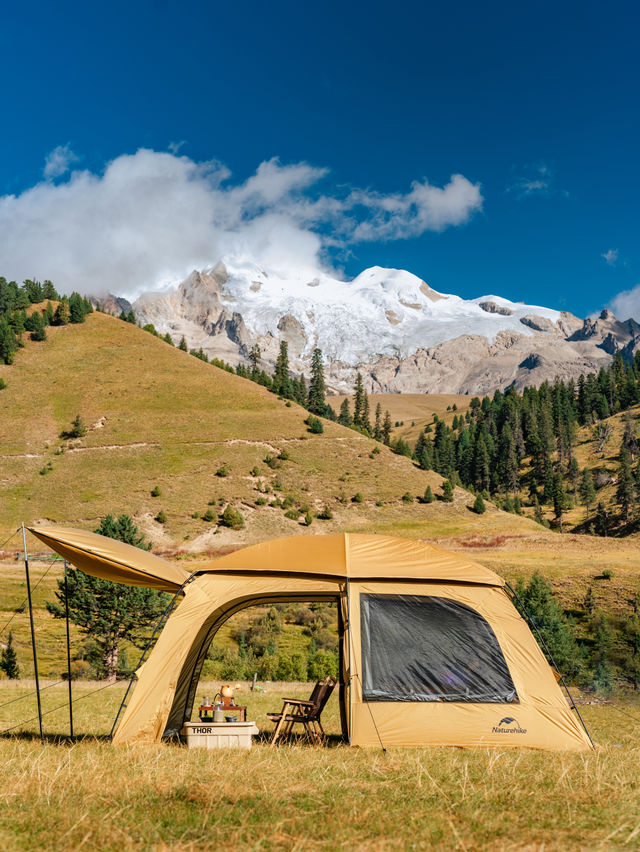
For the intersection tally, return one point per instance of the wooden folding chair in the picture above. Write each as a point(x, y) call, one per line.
point(306, 713)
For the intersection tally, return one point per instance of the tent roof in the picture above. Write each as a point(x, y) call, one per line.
point(112, 560)
point(342, 555)
point(357, 556)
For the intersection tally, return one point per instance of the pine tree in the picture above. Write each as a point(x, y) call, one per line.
point(110, 613)
point(447, 491)
point(428, 495)
point(38, 331)
point(49, 291)
point(8, 343)
point(366, 421)
point(626, 490)
point(537, 601)
point(602, 520)
point(574, 474)
point(537, 511)
point(377, 429)
point(183, 344)
point(9, 660)
point(62, 315)
point(587, 489)
point(560, 503)
point(359, 401)
point(478, 507)
point(317, 386)
point(386, 428)
point(254, 359)
point(281, 382)
point(344, 418)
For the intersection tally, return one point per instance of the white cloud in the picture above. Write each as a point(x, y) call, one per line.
point(151, 217)
point(626, 305)
point(58, 161)
point(610, 257)
point(537, 179)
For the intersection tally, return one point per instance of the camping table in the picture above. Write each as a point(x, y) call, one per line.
point(219, 734)
point(229, 709)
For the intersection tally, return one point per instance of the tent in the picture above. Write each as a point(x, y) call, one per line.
point(432, 650)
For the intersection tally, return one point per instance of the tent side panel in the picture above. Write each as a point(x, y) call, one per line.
point(540, 718)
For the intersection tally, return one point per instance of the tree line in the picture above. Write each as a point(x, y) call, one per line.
point(18, 317)
point(521, 447)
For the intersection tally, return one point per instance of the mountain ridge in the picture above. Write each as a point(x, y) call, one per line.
point(402, 335)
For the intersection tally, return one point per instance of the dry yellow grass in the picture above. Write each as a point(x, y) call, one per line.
point(92, 796)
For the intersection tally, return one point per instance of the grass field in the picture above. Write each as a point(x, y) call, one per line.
point(88, 795)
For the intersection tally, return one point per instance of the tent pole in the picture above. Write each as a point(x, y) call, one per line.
point(66, 607)
point(550, 655)
point(349, 689)
point(33, 632)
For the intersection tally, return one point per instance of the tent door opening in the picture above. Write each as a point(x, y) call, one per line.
point(233, 608)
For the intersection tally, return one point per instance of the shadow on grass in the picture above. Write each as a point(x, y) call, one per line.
point(54, 739)
point(263, 738)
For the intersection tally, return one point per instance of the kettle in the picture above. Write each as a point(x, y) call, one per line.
point(218, 713)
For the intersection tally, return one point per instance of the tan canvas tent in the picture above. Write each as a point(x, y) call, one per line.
point(433, 651)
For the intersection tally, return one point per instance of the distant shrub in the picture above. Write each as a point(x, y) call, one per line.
point(607, 574)
point(222, 471)
point(276, 504)
point(326, 514)
point(161, 517)
point(379, 503)
point(357, 497)
point(155, 491)
point(288, 502)
point(208, 516)
point(3, 384)
point(478, 507)
point(284, 455)
point(78, 428)
point(292, 514)
point(261, 501)
point(232, 518)
point(80, 670)
point(195, 514)
point(272, 461)
point(308, 519)
point(407, 497)
point(314, 424)
point(255, 471)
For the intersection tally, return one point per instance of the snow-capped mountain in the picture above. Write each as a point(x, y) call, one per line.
point(389, 323)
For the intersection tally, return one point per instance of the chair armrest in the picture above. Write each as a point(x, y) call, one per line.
point(299, 701)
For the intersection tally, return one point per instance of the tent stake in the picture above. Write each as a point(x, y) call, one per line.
point(66, 606)
point(33, 632)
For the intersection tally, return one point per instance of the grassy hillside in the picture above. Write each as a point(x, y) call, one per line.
point(158, 417)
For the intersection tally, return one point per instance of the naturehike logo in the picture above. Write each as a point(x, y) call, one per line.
point(508, 725)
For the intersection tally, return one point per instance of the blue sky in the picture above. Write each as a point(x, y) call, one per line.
point(536, 105)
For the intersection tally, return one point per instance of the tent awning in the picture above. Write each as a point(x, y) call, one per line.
point(112, 560)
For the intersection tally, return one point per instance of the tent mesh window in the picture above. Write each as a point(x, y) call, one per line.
point(419, 648)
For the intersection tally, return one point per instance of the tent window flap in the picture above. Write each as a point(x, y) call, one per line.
point(424, 648)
